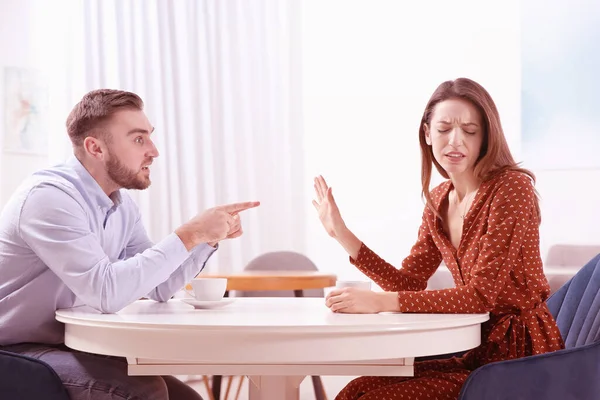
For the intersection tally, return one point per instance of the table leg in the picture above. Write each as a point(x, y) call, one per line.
point(216, 379)
point(318, 387)
point(317, 383)
point(216, 386)
point(274, 387)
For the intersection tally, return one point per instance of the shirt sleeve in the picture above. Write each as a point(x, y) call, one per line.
point(512, 214)
point(187, 271)
point(416, 269)
point(56, 227)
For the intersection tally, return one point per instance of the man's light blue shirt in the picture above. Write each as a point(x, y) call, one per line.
point(65, 243)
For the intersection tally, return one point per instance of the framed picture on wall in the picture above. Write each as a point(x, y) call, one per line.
point(25, 111)
point(560, 84)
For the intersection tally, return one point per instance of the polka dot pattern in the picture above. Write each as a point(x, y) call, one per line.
point(496, 268)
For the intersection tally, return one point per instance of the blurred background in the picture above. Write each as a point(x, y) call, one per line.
point(253, 98)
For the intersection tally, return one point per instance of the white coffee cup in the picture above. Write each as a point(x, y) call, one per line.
point(208, 289)
point(366, 285)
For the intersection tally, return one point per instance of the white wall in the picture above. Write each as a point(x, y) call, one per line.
point(18, 42)
point(369, 69)
point(570, 211)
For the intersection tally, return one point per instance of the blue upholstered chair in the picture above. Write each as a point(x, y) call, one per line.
point(25, 378)
point(572, 373)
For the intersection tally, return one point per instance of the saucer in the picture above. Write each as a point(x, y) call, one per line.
point(207, 304)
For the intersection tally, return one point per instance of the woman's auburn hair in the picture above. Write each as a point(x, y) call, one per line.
point(495, 156)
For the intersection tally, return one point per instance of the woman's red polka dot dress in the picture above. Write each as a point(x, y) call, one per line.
point(497, 269)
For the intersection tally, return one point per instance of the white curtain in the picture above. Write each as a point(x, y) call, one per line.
point(221, 84)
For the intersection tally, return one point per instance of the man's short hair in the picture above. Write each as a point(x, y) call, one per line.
point(95, 109)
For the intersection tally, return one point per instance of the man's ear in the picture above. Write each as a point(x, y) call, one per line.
point(427, 134)
point(94, 147)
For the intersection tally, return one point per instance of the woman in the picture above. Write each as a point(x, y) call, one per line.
point(483, 222)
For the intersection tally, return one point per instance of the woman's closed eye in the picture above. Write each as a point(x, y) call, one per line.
point(465, 131)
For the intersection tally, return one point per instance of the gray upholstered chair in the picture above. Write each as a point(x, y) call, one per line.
point(569, 255)
point(281, 261)
point(563, 262)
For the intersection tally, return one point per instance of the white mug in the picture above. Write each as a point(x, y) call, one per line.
point(366, 285)
point(208, 289)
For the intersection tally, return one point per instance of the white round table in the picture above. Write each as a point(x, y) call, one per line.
point(276, 342)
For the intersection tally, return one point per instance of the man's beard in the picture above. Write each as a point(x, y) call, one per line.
point(123, 176)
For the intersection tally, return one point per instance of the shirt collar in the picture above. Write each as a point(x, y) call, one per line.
point(443, 193)
point(91, 186)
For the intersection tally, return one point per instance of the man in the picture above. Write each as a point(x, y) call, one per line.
point(70, 236)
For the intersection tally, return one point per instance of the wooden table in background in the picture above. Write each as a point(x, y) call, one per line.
point(296, 281)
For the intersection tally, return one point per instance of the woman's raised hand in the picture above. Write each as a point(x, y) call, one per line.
point(329, 213)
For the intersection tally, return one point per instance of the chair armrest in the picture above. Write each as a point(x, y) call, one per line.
point(27, 378)
point(561, 375)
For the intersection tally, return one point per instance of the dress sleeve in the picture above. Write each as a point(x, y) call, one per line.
point(511, 217)
point(416, 269)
